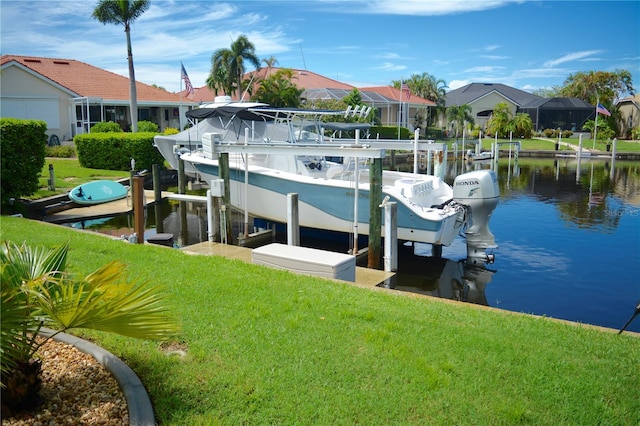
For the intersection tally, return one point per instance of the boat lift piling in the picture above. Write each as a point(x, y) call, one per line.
point(138, 208)
point(293, 221)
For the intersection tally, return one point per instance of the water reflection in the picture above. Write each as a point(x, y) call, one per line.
point(441, 277)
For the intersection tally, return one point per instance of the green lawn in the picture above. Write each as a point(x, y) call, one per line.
point(269, 347)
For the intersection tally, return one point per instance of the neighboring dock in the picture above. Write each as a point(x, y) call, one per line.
point(113, 208)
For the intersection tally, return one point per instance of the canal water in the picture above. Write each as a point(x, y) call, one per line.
point(568, 234)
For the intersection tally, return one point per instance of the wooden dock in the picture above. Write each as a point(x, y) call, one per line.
point(365, 277)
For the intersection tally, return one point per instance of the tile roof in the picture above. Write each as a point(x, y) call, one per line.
point(396, 95)
point(84, 80)
point(317, 86)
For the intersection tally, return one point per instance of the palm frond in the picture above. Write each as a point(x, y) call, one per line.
point(105, 301)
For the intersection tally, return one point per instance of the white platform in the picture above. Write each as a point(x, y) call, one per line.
point(306, 260)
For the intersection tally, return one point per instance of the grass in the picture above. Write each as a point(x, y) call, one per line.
point(68, 174)
point(269, 347)
point(549, 145)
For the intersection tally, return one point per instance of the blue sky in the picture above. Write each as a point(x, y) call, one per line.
point(524, 44)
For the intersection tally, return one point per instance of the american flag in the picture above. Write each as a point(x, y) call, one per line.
point(602, 110)
point(405, 90)
point(185, 77)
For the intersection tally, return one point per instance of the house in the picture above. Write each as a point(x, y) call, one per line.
point(71, 96)
point(559, 113)
point(629, 110)
point(391, 105)
point(546, 113)
point(483, 97)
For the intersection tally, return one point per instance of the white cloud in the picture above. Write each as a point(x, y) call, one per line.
point(574, 56)
point(455, 84)
point(429, 8)
point(484, 69)
point(388, 66)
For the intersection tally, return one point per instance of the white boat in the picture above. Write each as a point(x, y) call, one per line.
point(172, 146)
point(275, 153)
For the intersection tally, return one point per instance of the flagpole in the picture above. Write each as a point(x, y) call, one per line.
point(400, 108)
point(595, 127)
point(180, 108)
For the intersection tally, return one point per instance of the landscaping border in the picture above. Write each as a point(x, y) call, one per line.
point(138, 402)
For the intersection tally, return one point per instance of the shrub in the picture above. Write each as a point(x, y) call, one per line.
point(37, 291)
point(114, 151)
point(566, 134)
point(106, 127)
point(171, 131)
point(549, 133)
point(22, 144)
point(60, 151)
point(390, 132)
point(147, 126)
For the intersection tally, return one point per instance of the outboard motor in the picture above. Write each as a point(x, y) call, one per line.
point(478, 191)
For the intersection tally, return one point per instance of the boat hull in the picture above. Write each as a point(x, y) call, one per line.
point(328, 204)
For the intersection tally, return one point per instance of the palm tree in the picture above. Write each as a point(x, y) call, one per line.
point(270, 63)
point(37, 292)
point(230, 62)
point(500, 122)
point(522, 125)
point(459, 116)
point(279, 90)
point(124, 12)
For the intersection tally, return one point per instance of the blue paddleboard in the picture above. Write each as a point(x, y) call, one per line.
point(97, 192)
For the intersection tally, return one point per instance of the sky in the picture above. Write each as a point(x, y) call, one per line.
point(525, 44)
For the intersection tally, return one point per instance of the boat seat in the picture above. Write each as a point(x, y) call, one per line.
point(334, 171)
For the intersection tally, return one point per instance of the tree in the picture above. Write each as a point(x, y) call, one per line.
point(38, 292)
point(124, 12)
point(459, 115)
point(500, 122)
point(522, 125)
point(229, 64)
point(270, 63)
point(278, 89)
point(601, 87)
point(429, 87)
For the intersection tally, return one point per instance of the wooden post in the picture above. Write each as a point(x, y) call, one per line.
point(293, 221)
point(223, 169)
point(52, 179)
point(157, 192)
point(375, 213)
point(138, 208)
point(181, 177)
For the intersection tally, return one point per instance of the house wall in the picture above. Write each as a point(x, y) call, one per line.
point(26, 96)
point(629, 115)
point(488, 102)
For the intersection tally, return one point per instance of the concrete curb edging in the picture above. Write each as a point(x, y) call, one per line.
point(138, 402)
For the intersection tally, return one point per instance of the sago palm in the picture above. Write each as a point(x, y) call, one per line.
point(37, 291)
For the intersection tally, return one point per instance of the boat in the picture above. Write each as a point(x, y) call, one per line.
point(172, 146)
point(98, 192)
point(273, 152)
point(479, 156)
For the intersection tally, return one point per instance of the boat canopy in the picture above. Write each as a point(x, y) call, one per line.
point(256, 113)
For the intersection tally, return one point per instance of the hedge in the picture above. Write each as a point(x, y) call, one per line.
point(22, 143)
point(114, 151)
